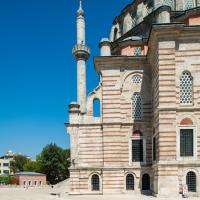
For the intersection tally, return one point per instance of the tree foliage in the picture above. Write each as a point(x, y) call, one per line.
point(18, 163)
point(32, 166)
point(54, 162)
point(5, 179)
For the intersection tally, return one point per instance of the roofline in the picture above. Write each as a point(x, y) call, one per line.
point(27, 174)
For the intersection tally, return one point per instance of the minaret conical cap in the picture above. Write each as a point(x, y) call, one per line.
point(80, 10)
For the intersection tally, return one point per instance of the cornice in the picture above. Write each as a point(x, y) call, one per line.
point(103, 62)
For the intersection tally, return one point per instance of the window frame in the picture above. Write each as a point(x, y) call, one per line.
point(126, 175)
point(6, 171)
point(187, 146)
point(95, 187)
point(180, 93)
point(193, 2)
point(182, 158)
point(196, 181)
point(90, 183)
point(133, 108)
point(96, 104)
point(136, 80)
point(6, 165)
point(30, 183)
point(137, 51)
point(137, 163)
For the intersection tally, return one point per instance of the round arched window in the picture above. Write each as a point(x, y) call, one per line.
point(95, 182)
point(130, 182)
point(191, 181)
point(137, 79)
point(146, 182)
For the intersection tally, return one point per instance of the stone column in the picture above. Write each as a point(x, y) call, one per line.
point(163, 15)
point(105, 47)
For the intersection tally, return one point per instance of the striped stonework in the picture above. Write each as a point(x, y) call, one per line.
point(144, 131)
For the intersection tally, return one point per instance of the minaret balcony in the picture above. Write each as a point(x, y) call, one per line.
point(81, 51)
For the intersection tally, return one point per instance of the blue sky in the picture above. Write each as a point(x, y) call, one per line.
point(37, 69)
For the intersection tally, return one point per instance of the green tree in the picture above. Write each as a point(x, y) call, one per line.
point(32, 166)
point(18, 163)
point(54, 162)
point(5, 179)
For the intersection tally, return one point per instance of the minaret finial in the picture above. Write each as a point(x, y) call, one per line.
point(80, 10)
point(80, 7)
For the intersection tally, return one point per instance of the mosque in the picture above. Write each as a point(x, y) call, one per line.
point(147, 136)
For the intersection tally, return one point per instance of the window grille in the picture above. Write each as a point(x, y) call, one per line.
point(137, 79)
point(191, 181)
point(137, 106)
point(186, 88)
point(129, 182)
point(154, 149)
point(188, 4)
point(186, 142)
point(146, 182)
point(95, 183)
point(137, 150)
point(137, 51)
point(168, 3)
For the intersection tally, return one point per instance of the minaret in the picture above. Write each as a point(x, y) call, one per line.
point(81, 53)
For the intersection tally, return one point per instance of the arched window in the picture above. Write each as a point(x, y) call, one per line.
point(95, 182)
point(188, 4)
point(137, 79)
point(191, 181)
point(137, 110)
point(115, 34)
point(168, 3)
point(146, 182)
point(129, 182)
point(186, 88)
point(96, 108)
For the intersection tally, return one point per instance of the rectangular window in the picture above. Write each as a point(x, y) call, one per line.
point(5, 164)
point(154, 148)
point(189, 4)
point(5, 171)
point(137, 150)
point(137, 51)
point(186, 142)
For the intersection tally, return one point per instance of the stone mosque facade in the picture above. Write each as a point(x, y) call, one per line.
point(147, 136)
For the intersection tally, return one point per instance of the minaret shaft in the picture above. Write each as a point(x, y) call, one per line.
point(81, 53)
point(80, 30)
point(81, 84)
